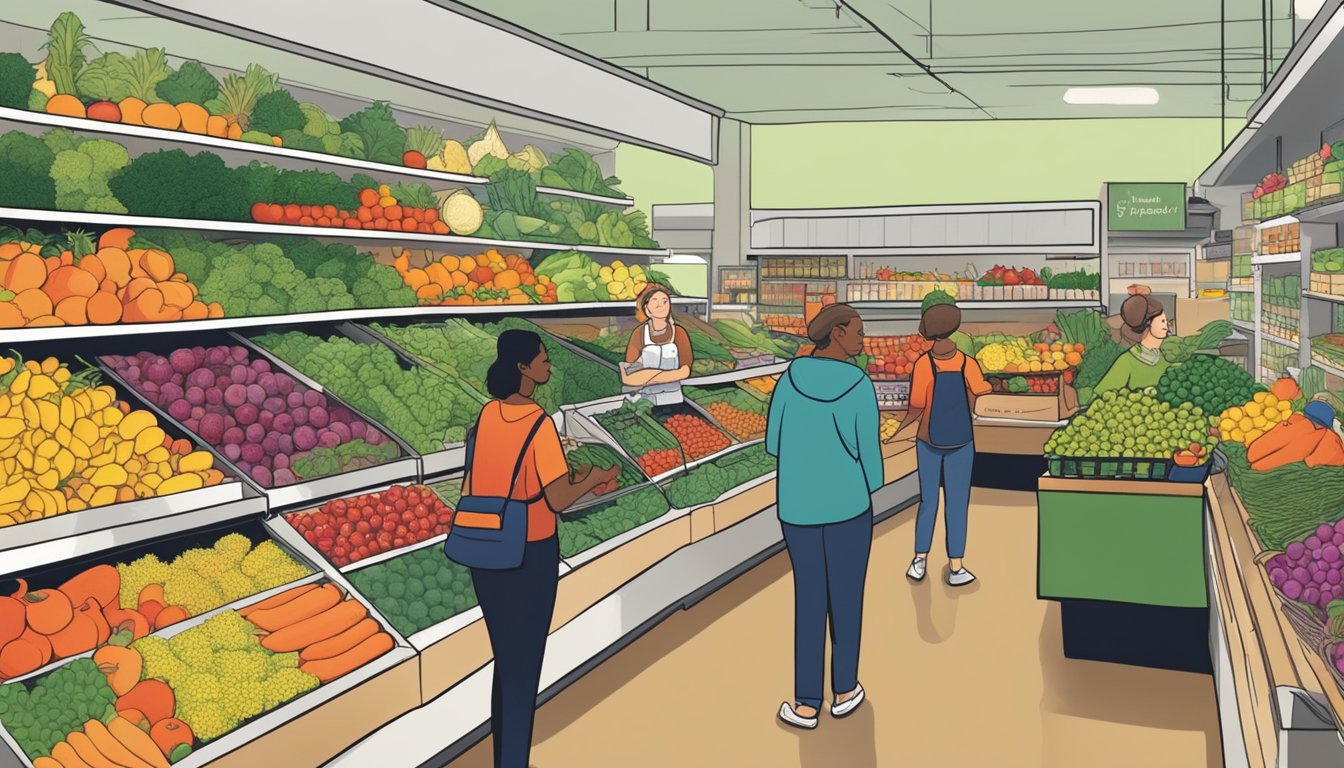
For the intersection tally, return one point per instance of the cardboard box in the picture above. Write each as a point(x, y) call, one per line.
point(1028, 407)
point(1327, 282)
point(1193, 314)
point(1213, 271)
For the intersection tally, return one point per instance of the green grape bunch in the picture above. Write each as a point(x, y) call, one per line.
point(1133, 425)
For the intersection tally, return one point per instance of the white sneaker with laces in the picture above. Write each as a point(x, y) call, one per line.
point(960, 578)
point(918, 567)
point(848, 705)
point(789, 716)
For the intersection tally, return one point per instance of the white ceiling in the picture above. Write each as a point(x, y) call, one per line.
point(782, 61)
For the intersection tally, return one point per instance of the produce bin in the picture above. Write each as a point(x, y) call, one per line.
point(576, 552)
point(582, 422)
point(445, 456)
point(287, 497)
point(732, 399)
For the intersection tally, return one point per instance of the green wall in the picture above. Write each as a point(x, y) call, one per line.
point(653, 177)
point(821, 165)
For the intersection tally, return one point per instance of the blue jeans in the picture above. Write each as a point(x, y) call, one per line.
point(951, 469)
point(830, 565)
point(517, 605)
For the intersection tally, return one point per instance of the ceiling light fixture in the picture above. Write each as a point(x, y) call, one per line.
point(1116, 96)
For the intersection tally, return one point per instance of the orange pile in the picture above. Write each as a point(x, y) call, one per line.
point(745, 425)
point(116, 284)
point(894, 356)
point(486, 278)
point(658, 461)
point(698, 437)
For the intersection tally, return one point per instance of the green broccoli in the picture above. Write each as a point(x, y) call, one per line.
point(16, 80)
point(25, 164)
point(319, 294)
point(277, 112)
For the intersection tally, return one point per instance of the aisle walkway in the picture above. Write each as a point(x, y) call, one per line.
point(957, 678)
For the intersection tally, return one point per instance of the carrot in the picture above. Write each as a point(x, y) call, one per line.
point(46, 762)
point(109, 746)
point(89, 753)
point(369, 649)
point(101, 582)
point(315, 629)
point(275, 601)
point(163, 116)
point(1297, 450)
point(67, 756)
point(335, 646)
point(137, 741)
point(194, 118)
point(1296, 426)
point(298, 609)
point(1329, 452)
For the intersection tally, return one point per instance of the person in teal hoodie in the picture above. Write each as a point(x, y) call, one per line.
point(823, 427)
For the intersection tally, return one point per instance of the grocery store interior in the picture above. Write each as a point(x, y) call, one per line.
point(264, 276)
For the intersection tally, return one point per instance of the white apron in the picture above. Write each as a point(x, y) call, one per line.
point(660, 357)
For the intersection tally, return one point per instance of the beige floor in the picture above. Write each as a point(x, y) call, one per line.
point(972, 677)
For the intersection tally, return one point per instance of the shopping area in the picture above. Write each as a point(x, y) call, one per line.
point(334, 216)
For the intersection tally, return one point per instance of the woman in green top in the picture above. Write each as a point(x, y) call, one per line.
point(1142, 365)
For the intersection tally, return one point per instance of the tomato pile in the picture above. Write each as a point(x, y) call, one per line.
point(698, 437)
point(743, 424)
point(374, 212)
point(893, 357)
point(349, 530)
point(659, 460)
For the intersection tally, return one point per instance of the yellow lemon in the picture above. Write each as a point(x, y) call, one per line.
point(1270, 400)
point(1254, 409)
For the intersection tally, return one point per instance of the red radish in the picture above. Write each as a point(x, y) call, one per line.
point(105, 111)
point(413, 159)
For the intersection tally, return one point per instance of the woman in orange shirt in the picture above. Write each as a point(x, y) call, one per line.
point(942, 399)
point(517, 604)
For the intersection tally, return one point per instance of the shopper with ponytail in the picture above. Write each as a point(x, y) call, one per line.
point(517, 603)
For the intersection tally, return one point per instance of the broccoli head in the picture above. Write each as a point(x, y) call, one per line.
point(25, 163)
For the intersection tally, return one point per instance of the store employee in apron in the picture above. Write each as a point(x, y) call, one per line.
point(658, 357)
point(1142, 365)
point(942, 400)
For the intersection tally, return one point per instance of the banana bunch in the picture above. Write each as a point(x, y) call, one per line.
point(68, 445)
point(890, 425)
point(623, 283)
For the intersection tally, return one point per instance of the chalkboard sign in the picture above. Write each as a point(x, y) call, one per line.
point(1149, 207)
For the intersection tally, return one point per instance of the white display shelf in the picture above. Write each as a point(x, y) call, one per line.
point(1330, 369)
point(1330, 297)
point(1277, 258)
point(1280, 221)
point(21, 335)
point(232, 145)
point(737, 374)
point(335, 233)
point(1241, 289)
point(1278, 340)
point(1243, 325)
point(980, 305)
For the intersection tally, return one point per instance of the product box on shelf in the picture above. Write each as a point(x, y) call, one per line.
point(1193, 314)
point(1328, 282)
point(1028, 407)
point(1213, 271)
point(1247, 208)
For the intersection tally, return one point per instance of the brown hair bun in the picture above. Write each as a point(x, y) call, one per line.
point(1138, 312)
point(827, 320)
point(940, 321)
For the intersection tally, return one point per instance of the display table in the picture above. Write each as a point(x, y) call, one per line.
point(1126, 561)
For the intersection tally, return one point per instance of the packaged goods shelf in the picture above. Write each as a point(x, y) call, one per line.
point(1276, 258)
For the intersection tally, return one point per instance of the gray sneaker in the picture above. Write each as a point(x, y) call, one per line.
point(960, 578)
point(917, 569)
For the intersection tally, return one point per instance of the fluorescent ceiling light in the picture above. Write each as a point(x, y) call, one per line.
point(1307, 9)
point(1125, 96)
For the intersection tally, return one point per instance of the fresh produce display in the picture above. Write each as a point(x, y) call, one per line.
point(765, 385)
point(68, 444)
point(584, 529)
point(755, 339)
point(893, 357)
point(698, 437)
point(486, 278)
point(1019, 385)
point(1134, 425)
point(378, 209)
point(202, 579)
point(652, 446)
point(1328, 260)
point(581, 456)
point(1207, 381)
point(214, 676)
point(709, 481)
point(742, 414)
point(1019, 355)
point(331, 632)
point(1000, 275)
point(1178, 349)
point(891, 424)
point(350, 530)
point(1087, 330)
point(427, 410)
point(416, 590)
point(81, 168)
point(577, 278)
point(1079, 280)
point(47, 286)
point(1296, 439)
point(1247, 422)
point(1310, 571)
point(1287, 503)
point(269, 424)
point(284, 275)
point(39, 713)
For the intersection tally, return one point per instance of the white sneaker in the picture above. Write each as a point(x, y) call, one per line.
point(849, 705)
point(960, 578)
point(918, 567)
point(788, 715)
